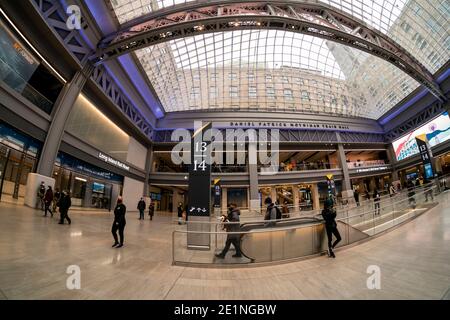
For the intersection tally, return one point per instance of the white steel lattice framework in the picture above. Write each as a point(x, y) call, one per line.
point(195, 44)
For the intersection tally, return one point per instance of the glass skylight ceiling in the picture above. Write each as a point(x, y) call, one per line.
point(269, 70)
point(284, 71)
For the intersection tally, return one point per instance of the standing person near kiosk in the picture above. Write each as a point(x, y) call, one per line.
point(329, 215)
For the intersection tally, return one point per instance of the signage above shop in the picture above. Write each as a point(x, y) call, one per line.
point(112, 161)
point(293, 124)
point(360, 170)
point(284, 125)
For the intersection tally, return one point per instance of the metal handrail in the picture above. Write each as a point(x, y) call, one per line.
point(285, 228)
point(381, 202)
point(273, 229)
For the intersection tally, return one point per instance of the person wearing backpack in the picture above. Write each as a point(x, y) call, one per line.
point(329, 215)
point(272, 213)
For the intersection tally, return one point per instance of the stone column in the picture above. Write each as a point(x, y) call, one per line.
point(61, 111)
point(273, 193)
point(347, 192)
point(224, 205)
point(148, 167)
point(253, 176)
point(315, 196)
point(296, 198)
point(393, 162)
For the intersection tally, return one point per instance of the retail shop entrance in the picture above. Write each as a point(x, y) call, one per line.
point(18, 157)
point(90, 186)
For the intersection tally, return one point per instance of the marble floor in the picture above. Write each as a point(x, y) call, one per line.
point(35, 252)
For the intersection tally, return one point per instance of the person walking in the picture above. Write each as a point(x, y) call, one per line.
point(392, 191)
point(56, 197)
point(119, 223)
point(151, 210)
point(272, 212)
point(235, 238)
point(329, 215)
point(64, 204)
point(285, 210)
point(428, 190)
point(376, 202)
point(180, 213)
point(356, 195)
point(141, 207)
point(41, 195)
point(48, 199)
point(411, 192)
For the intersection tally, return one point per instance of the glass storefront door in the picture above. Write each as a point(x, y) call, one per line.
point(15, 167)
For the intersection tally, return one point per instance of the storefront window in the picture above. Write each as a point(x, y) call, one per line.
point(18, 157)
point(88, 185)
point(238, 196)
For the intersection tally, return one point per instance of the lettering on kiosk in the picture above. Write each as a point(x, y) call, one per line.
point(112, 161)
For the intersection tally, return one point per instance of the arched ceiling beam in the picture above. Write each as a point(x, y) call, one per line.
point(311, 18)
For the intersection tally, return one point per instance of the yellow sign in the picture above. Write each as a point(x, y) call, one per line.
point(329, 176)
point(422, 137)
point(216, 181)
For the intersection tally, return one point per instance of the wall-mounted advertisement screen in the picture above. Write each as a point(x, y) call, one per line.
point(98, 187)
point(437, 131)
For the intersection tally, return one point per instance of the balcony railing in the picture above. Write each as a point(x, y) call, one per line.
point(302, 166)
point(215, 168)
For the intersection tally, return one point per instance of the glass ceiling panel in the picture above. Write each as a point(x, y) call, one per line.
point(277, 70)
point(271, 70)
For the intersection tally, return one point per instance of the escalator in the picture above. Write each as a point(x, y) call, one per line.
point(290, 239)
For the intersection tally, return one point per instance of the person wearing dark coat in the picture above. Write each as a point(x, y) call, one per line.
point(56, 197)
point(48, 199)
point(119, 223)
point(180, 213)
point(141, 207)
point(376, 202)
point(64, 204)
point(233, 238)
point(329, 215)
point(151, 210)
point(41, 194)
point(356, 195)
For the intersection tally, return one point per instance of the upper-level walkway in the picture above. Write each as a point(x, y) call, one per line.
point(414, 260)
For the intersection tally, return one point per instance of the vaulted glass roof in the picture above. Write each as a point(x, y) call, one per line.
point(286, 71)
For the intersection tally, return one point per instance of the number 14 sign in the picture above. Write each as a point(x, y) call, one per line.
point(200, 174)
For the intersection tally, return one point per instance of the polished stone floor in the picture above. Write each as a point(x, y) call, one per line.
point(35, 252)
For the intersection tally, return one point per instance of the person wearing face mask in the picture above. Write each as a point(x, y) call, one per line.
point(119, 223)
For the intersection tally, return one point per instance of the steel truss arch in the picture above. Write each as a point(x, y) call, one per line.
point(311, 18)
